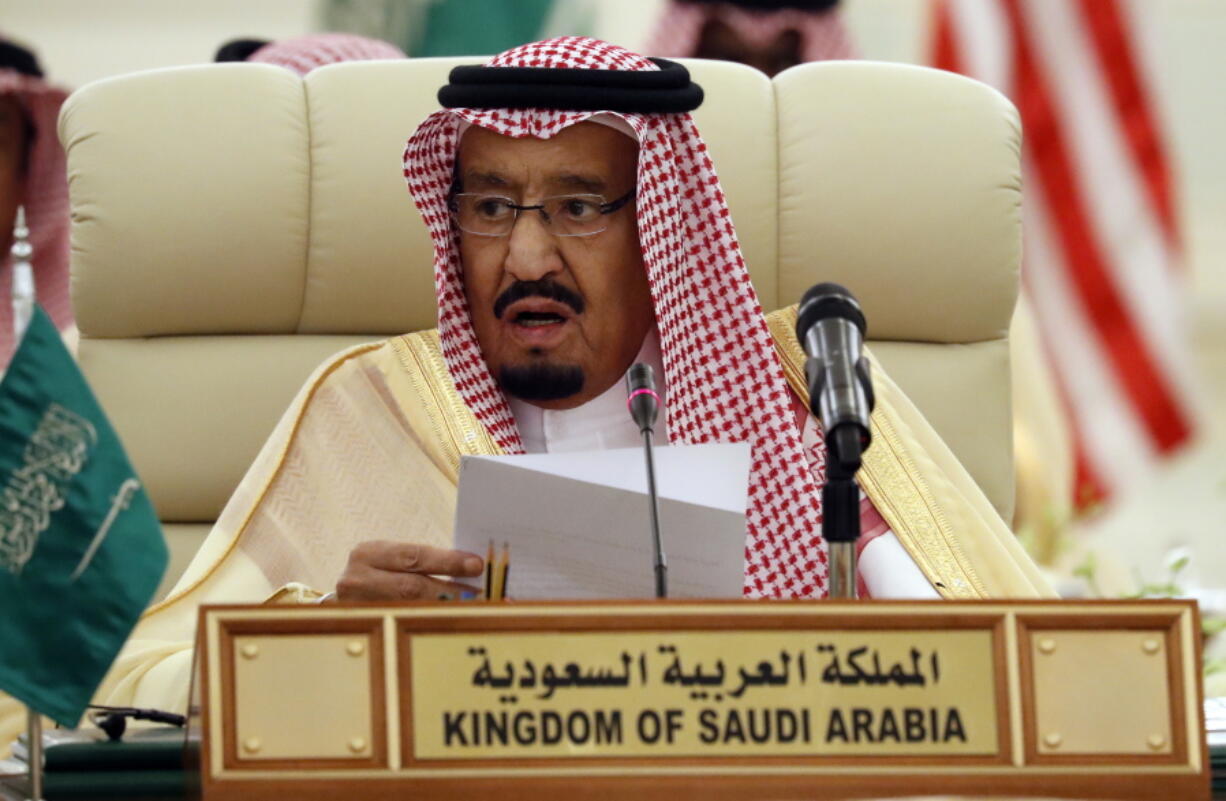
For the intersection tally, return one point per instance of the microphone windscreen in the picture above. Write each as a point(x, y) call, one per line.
point(824, 301)
point(640, 376)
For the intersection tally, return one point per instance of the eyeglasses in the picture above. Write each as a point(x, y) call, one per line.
point(565, 215)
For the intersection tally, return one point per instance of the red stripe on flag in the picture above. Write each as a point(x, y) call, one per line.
point(1112, 48)
point(1088, 487)
point(1130, 356)
point(945, 54)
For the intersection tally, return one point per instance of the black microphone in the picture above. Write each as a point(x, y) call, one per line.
point(641, 396)
point(644, 405)
point(831, 328)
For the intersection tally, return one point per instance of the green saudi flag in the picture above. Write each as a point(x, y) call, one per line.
point(81, 550)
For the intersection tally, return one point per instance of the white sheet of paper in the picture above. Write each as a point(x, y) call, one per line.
point(578, 524)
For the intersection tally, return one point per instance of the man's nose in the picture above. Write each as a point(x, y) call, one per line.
point(532, 252)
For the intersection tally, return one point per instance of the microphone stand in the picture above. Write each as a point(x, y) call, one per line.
point(23, 295)
point(831, 327)
point(34, 753)
point(841, 508)
point(644, 405)
point(657, 545)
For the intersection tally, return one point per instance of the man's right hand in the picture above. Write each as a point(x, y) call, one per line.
point(381, 570)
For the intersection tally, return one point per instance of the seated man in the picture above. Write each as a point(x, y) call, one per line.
point(578, 227)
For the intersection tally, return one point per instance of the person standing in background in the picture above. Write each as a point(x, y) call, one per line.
point(304, 53)
point(769, 35)
point(33, 176)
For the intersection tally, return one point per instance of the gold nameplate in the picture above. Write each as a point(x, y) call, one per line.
point(489, 696)
point(818, 700)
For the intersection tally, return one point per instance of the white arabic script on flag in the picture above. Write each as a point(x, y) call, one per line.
point(55, 453)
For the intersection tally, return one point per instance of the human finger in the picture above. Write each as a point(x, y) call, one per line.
point(384, 585)
point(408, 557)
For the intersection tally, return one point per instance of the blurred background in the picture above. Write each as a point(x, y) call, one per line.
point(1146, 520)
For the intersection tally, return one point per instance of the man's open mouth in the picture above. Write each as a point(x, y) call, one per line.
point(535, 312)
point(538, 322)
point(533, 319)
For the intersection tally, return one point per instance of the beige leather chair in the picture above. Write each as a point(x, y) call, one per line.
point(235, 224)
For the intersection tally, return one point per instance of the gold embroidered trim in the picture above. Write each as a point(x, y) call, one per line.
point(892, 482)
point(416, 367)
point(901, 486)
point(339, 360)
point(422, 357)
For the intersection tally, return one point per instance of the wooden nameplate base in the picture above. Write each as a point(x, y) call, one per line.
point(722, 700)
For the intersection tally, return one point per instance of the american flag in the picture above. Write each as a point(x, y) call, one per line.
point(1101, 244)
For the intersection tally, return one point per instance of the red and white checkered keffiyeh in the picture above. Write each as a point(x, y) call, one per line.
point(822, 33)
point(45, 198)
point(724, 381)
point(304, 53)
